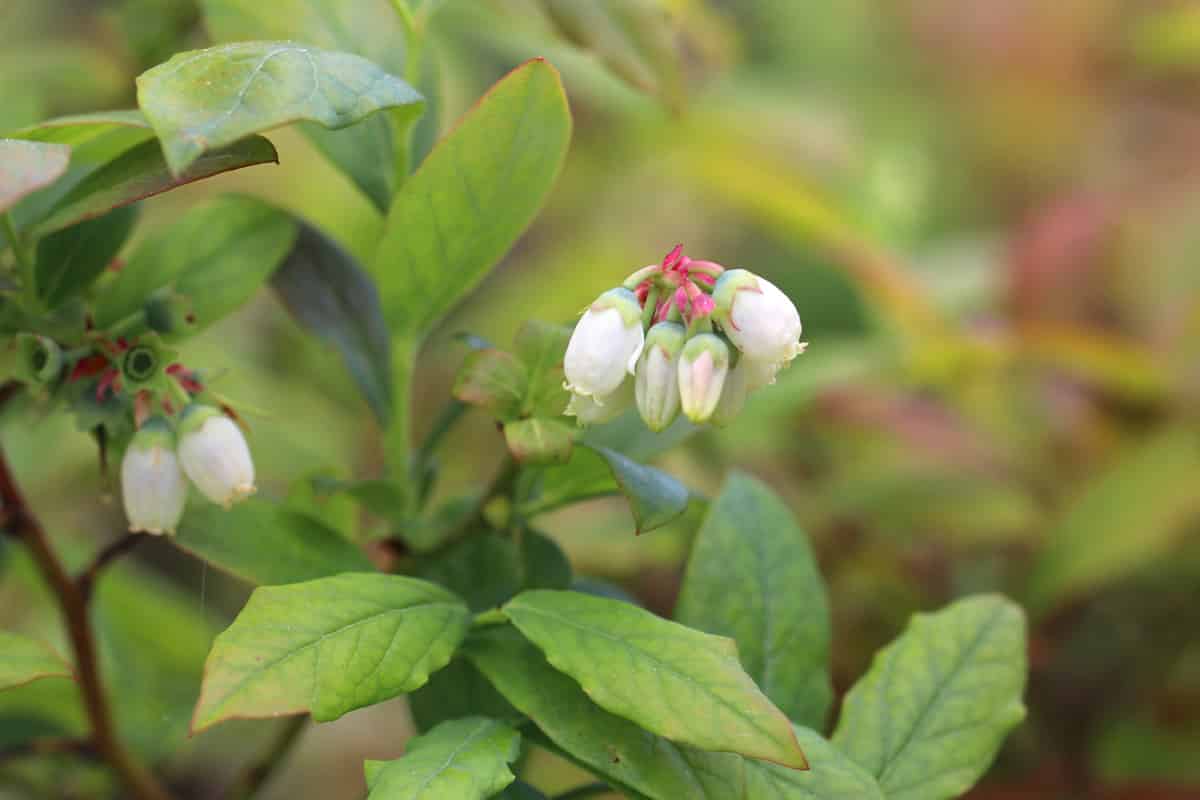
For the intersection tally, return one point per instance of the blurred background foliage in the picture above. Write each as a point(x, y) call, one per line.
point(986, 214)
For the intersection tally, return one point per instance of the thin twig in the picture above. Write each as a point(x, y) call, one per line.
point(87, 579)
point(256, 775)
point(49, 746)
point(20, 522)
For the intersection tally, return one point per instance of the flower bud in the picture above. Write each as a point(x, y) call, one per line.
point(605, 345)
point(596, 410)
point(215, 456)
point(760, 320)
point(657, 382)
point(152, 485)
point(703, 367)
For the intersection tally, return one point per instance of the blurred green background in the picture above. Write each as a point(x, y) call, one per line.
point(986, 213)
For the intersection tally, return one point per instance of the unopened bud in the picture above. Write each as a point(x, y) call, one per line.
point(657, 382)
point(757, 317)
point(605, 344)
point(703, 367)
point(214, 454)
point(152, 484)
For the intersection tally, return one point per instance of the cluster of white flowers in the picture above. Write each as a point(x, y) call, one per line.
point(211, 452)
point(695, 337)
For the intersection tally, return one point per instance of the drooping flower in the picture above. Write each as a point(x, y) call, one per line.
point(733, 395)
point(214, 454)
point(657, 380)
point(757, 317)
point(605, 344)
point(591, 410)
point(703, 367)
point(152, 484)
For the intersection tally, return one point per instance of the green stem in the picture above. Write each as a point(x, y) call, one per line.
point(258, 773)
point(399, 433)
point(650, 307)
point(414, 39)
point(642, 274)
point(450, 414)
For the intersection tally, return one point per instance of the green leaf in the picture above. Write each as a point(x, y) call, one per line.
point(140, 172)
point(330, 294)
point(831, 777)
point(1127, 516)
point(459, 690)
point(472, 197)
point(26, 167)
point(655, 498)
point(233, 244)
point(541, 347)
point(615, 748)
point(205, 99)
point(539, 440)
point(24, 660)
point(484, 569)
point(153, 637)
point(95, 140)
point(679, 683)
point(70, 260)
point(266, 544)
point(752, 577)
point(329, 646)
point(546, 565)
point(930, 715)
point(493, 380)
point(366, 152)
point(464, 759)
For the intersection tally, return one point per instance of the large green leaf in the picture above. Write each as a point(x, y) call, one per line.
point(140, 172)
point(463, 759)
point(205, 99)
point(929, 716)
point(26, 167)
point(95, 140)
point(367, 152)
point(832, 776)
point(24, 660)
point(674, 681)
point(615, 748)
point(329, 646)
point(266, 544)
point(328, 293)
point(752, 577)
point(472, 197)
point(233, 244)
point(71, 259)
point(1126, 517)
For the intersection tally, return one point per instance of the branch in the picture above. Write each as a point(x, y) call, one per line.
point(73, 604)
point(259, 772)
point(87, 579)
point(49, 746)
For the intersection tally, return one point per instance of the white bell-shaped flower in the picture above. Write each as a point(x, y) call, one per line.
point(733, 395)
point(214, 454)
point(605, 344)
point(703, 367)
point(757, 317)
point(657, 380)
point(153, 488)
point(590, 410)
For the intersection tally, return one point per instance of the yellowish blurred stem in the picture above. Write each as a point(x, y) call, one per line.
point(399, 434)
point(24, 260)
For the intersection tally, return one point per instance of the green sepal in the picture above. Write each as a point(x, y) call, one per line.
point(155, 432)
point(624, 301)
point(193, 416)
point(41, 358)
point(728, 285)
